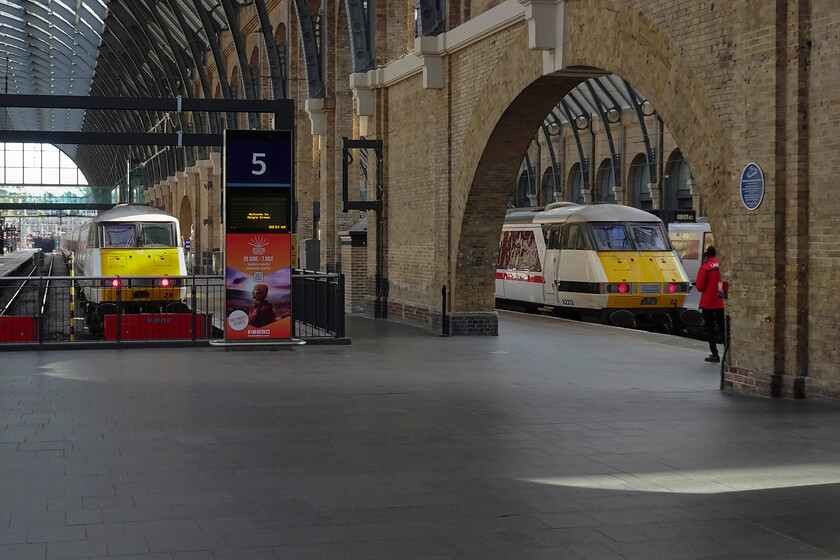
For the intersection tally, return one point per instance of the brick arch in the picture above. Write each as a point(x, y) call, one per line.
point(517, 97)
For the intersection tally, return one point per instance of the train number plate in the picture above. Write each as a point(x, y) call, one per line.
point(650, 288)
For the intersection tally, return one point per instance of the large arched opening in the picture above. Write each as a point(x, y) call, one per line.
point(513, 105)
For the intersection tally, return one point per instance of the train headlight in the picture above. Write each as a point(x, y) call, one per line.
point(164, 282)
point(115, 282)
point(675, 288)
point(622, 288)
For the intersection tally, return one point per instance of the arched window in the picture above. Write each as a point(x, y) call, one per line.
point(678, 184)
point(520, 195)
point(640, 180)
point(606, 183)
point(576, 184)
point(548, 187)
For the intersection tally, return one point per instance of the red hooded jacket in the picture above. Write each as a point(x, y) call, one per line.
point(709, 283)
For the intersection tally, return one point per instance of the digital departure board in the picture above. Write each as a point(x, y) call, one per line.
point(258, 212)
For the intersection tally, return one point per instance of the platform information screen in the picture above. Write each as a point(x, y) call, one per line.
point(258, 186)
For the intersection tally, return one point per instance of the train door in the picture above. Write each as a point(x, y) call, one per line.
point(552, 256)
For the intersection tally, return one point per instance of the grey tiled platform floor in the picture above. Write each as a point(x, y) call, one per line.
point(556, 440)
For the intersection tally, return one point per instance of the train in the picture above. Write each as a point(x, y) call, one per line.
point(690, 240)
point(136, 248)
point(610, 263)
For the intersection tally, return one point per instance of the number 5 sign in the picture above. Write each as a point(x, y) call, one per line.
point(258, 158)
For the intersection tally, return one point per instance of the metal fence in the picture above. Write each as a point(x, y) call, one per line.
point(67, 309)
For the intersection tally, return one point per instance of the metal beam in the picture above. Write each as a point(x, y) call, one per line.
point(53, 206)
point(147, 104)
point(111, 138)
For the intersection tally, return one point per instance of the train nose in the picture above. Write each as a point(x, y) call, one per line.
point(622, 318)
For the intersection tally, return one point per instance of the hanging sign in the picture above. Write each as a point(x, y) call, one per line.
point(752, 186)
point(258, 218)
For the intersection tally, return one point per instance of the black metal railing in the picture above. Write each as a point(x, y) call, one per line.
point(67, 309)
point(317, 304)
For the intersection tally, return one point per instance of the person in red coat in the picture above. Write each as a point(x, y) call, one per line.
point(711, 302)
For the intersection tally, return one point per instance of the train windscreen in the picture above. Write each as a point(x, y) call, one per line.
point(650, 237)
point(611, 237)
point(125, 235)
point(157, 235)
point(118, 235)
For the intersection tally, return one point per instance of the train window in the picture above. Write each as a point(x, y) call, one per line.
point(649, 237)
point(575, 238)
point(157, 235)
point(504, 251)
point(611, 237)
point(118, 235)
point(687, 249)
point(518, 251)
point(554, 237)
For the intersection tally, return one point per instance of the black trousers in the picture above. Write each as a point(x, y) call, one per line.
point(710, 317)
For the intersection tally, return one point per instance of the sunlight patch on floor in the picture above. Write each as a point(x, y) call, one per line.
point(704, 481)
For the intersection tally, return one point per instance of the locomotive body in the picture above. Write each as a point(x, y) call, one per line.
point(607, 262)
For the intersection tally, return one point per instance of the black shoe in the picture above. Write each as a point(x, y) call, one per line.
point(713, 358)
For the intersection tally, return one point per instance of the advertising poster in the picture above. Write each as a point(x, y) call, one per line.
point(258, 281)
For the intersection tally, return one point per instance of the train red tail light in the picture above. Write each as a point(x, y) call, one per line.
point(675, 288)
point(115, 282)
point(164, 282)
point(622, 288)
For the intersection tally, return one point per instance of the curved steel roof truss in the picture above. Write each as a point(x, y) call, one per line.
point(133, 48)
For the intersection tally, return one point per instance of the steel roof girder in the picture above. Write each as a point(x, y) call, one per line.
point(432, 18)
point(358, 20)
point(232, 14)
point(278, 82)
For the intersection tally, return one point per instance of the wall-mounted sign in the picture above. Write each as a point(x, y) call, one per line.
point(752, 186)
point(258, 224)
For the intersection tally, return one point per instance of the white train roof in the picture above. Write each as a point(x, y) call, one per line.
point(134, 213)
point(568, 211)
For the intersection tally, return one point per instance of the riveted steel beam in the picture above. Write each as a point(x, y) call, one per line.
point(359, 23)
point(311, 51)
point(278, 80)
point(604, 112)
point(232, 13)
point(212, 31)
point(432, 18)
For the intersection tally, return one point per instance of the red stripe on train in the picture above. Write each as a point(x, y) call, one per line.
point(520, 277)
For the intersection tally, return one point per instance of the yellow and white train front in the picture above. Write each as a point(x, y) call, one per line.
point(139, 258)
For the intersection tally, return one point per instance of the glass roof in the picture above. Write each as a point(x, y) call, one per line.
point(51, 48)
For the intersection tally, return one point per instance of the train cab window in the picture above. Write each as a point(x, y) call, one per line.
point(117, 235)
point(575, 238)
point(157, 235)
point(611, 237)
point(650, 237)
point(553, 240)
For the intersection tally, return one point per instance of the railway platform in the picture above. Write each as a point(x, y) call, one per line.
point(554, 440)
point(11, 263)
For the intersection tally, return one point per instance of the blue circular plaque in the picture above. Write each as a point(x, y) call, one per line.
point(752, 186)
